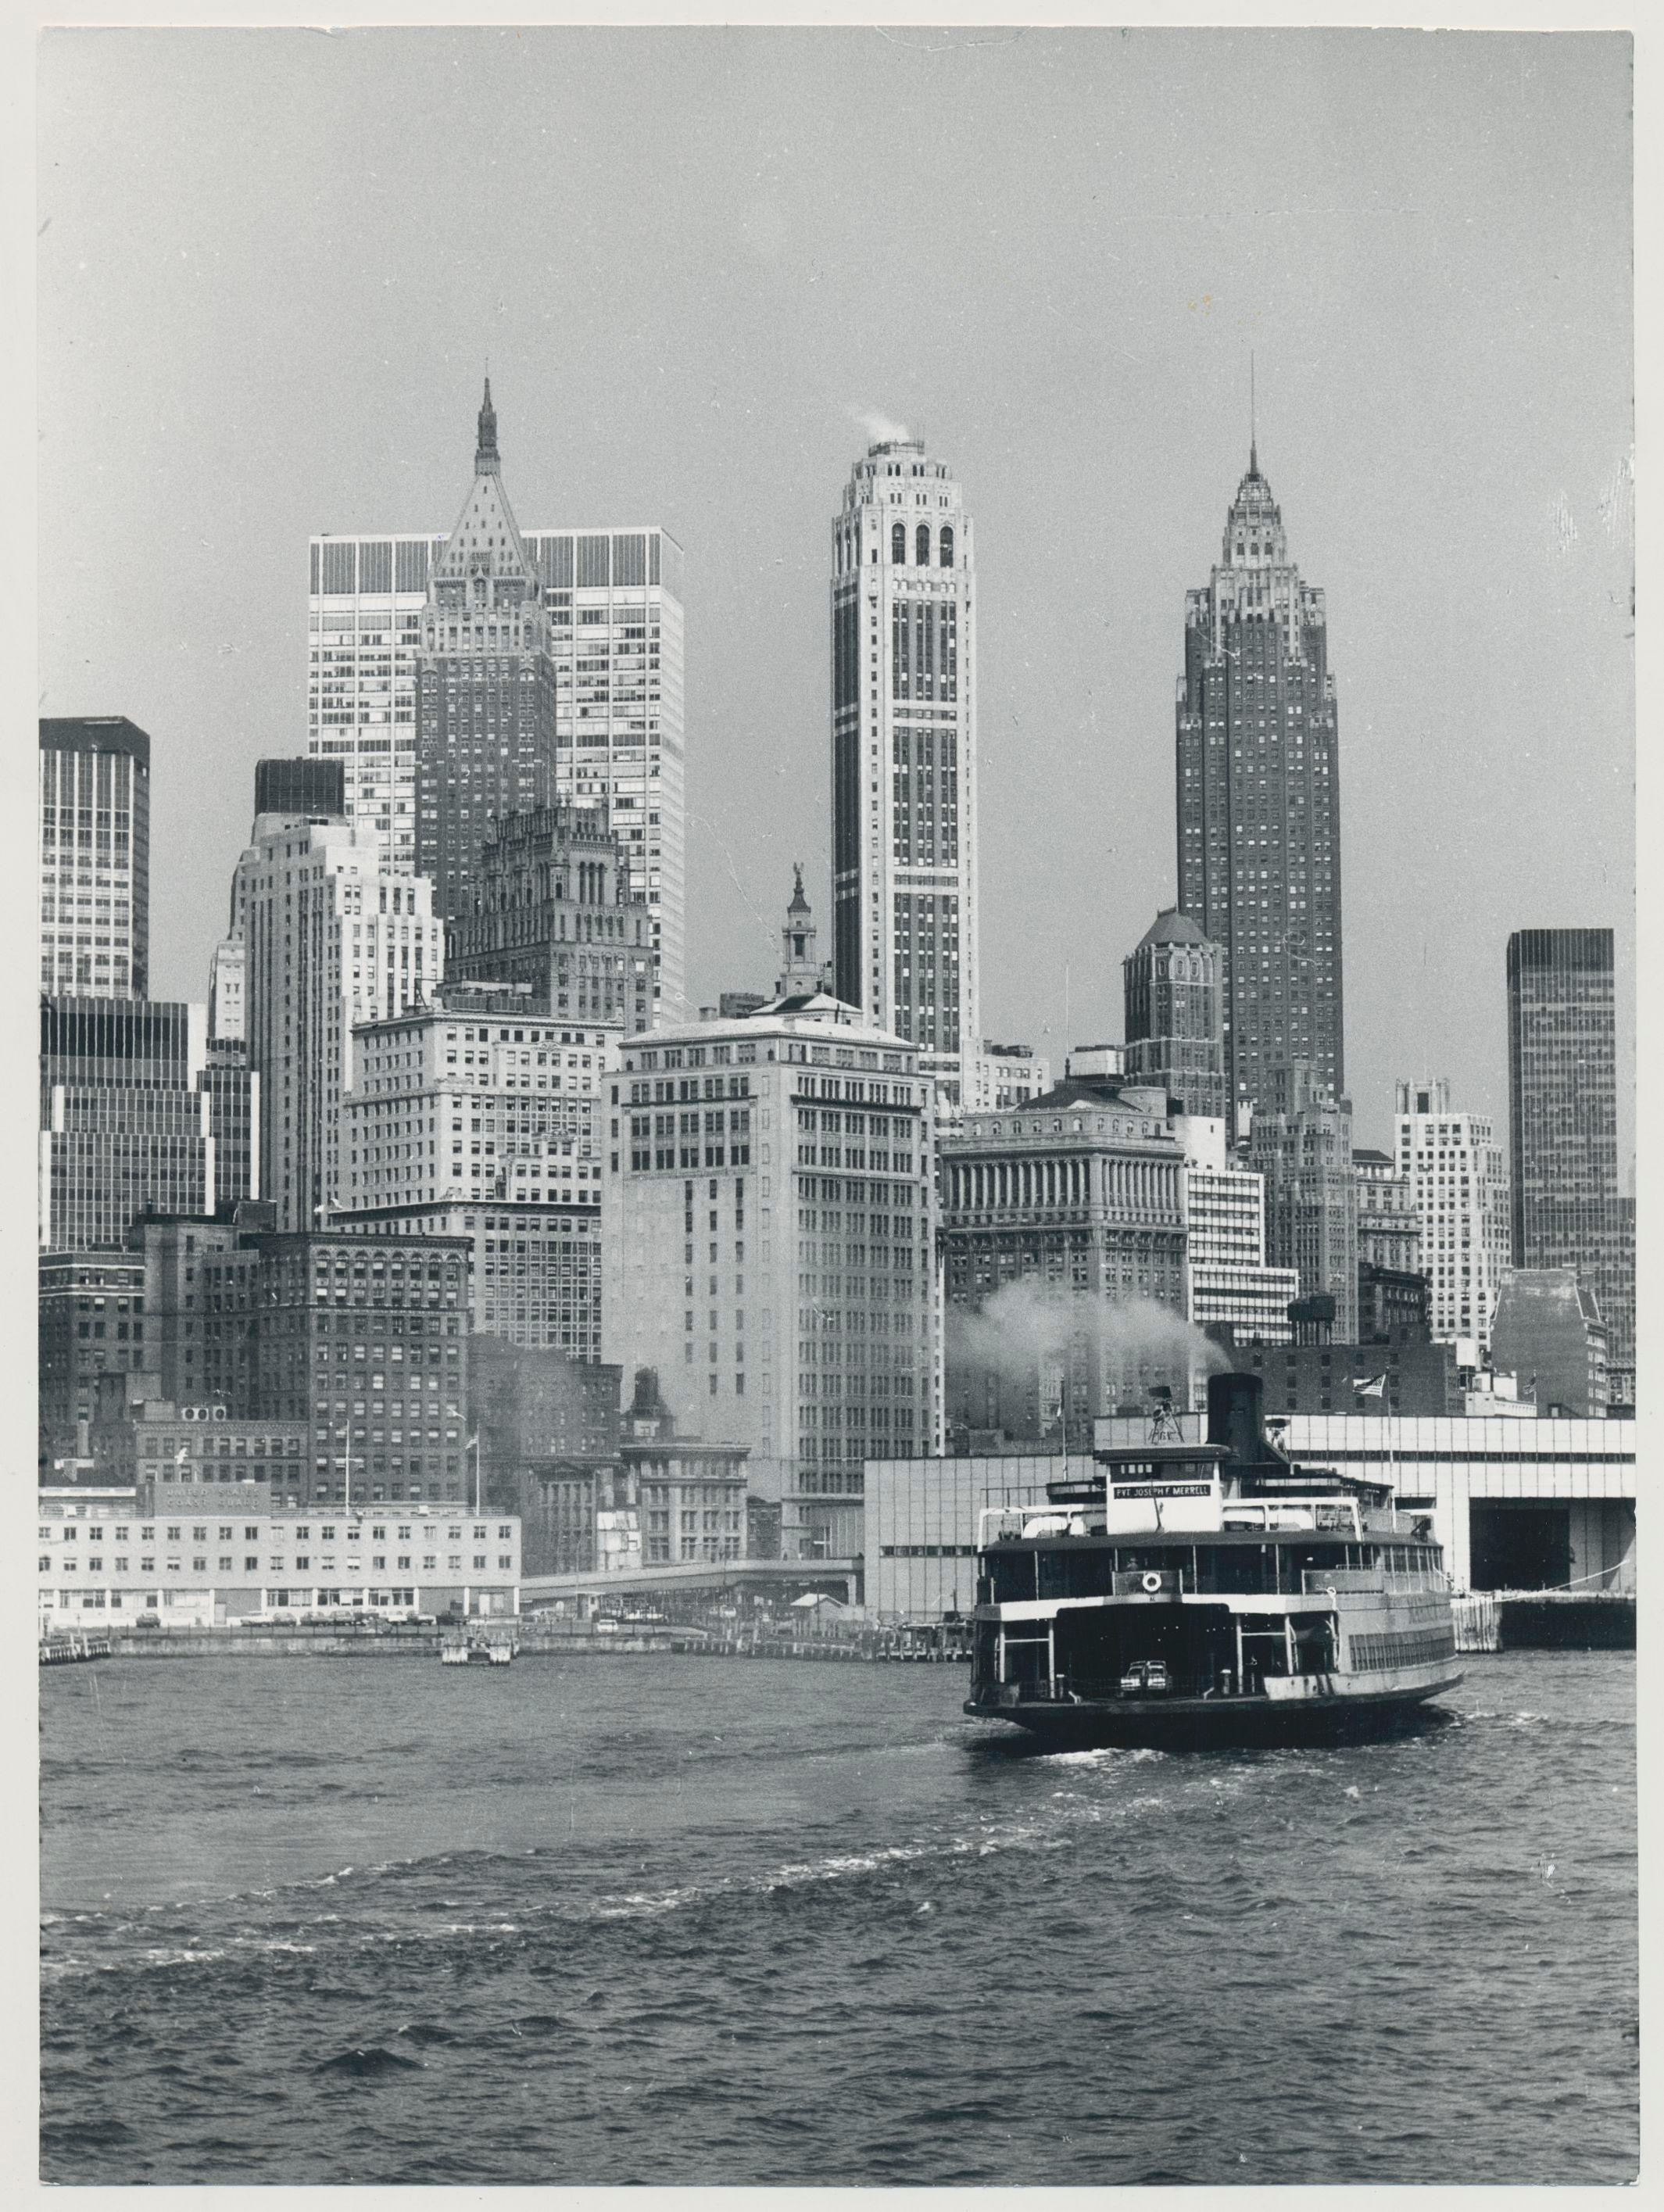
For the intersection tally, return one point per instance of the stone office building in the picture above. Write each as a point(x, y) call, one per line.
point(1063, 1240)
point(1301, 1144)
point(361, 1339)
point(92, 1322)
point(770, 1246)
point(479, 1118)
point(551, 913)
point(1174, 1016)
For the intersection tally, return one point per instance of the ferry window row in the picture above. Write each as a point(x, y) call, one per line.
point(1208, 1569)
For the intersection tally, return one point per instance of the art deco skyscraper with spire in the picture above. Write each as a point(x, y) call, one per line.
point(484, 686)
point(904, 758)
point(1258, 802)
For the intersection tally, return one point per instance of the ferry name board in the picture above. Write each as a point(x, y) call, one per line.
point(1162, 1489)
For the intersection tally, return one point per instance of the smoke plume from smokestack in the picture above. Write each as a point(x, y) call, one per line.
point(880, 428)
point(1028, 1335)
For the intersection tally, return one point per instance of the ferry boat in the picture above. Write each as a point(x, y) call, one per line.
point(1196, 1594)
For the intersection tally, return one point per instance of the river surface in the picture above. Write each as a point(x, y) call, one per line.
point(642, 1919)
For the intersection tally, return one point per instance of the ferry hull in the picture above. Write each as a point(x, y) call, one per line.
point(1208, 1724)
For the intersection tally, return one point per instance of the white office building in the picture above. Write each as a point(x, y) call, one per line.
point(1459, 1175)
point(904, 882)
point(476, 1118)
point(1228, 1278)
point(332, 940)
point(1002, 1077)
point(770, 1246)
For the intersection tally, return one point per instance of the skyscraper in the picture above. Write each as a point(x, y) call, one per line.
point(485, 686)
point(95, 832)
point(768, 1237)
point(1459, 1178)
point(1231, 1284)
point(514, 1163)
point(613, 599)
point(1075, 1201)
point(1562, 1122)
point(1302, 1143)
point(552, 913)
point(137, 1114)
point(1174, 1034)
point(904, 758)
point(309, 790)
point(300, 787)
point(1259, 801)
point(332, 940)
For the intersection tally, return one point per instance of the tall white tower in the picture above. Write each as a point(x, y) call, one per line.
point(904, 758)
point(1459, 1174)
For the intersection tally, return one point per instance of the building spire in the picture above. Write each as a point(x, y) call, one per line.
point(485, 455)
point(1253, 442)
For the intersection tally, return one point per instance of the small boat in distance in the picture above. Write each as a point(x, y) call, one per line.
point(1213, 1593)
point(475, 1647)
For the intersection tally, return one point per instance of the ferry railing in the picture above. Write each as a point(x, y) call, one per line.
point(1326, 1516)
point(993, 1522)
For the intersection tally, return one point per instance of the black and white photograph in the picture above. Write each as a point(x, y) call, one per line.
point(834, 841)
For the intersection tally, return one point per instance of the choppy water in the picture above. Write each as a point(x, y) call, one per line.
point(681, 1920)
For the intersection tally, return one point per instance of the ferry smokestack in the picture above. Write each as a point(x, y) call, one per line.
point(1234, 1417)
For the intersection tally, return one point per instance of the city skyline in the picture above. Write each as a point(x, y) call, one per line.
point(1099, 437)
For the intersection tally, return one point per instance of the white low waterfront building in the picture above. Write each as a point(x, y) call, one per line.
point(1516, 1504)
point(184, 1557)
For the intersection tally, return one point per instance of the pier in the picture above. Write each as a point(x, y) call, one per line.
point(68, 1649)
point(1545, 1620)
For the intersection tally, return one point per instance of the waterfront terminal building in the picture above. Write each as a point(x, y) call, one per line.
point(187, 1556)
point(1517, 1504)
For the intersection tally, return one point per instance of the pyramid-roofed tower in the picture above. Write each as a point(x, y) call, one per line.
point(485, 687)
point(1175, 1032)
point(485, 540)
point(1172, 927)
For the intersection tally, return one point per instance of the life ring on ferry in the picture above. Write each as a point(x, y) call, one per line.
point(1152, 1582)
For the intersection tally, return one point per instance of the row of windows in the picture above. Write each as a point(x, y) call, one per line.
point(921, 545)
point(278, 1531)
point(1419, 1647)
point(226, 1565)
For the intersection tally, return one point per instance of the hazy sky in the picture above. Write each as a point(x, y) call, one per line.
point(273, 264)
